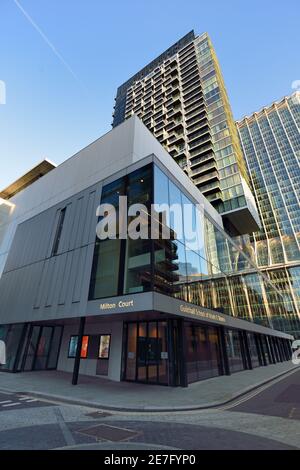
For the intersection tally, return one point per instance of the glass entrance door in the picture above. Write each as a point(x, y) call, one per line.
point(147, 352)
point(42, 348)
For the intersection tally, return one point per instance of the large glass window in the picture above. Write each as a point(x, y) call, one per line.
point(203, 354)
point(11, 335)
point(194, 259)
point(253, 348)
point(234, 350)
point(120, 265)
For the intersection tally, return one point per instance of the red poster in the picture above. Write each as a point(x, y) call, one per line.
point(84, 347)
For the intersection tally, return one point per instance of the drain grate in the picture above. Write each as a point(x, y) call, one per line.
point(108, 433)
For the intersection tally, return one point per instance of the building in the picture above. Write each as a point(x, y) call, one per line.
point(154, 309)
point(7, 206)
point(181, 97)
point(270, 140)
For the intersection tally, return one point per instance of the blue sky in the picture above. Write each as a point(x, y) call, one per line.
point(60, 93)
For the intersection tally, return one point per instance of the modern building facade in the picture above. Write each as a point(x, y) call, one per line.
point(181, 97)
point(270, 141)
point(7, 207)
point(156, 309)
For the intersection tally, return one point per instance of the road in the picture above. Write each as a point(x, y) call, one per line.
point(267, 418)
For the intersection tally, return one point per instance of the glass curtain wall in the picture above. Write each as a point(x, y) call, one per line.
point(187, 256)
point(203, 359)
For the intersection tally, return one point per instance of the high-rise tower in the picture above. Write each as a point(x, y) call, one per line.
point(181, 97)
point(270, 140)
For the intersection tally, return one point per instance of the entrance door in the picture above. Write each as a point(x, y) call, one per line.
point(147, 352)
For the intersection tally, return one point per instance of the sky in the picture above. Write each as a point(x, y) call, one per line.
point(62, 61)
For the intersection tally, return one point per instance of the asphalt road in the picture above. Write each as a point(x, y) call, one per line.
point(266, 419)
point(281, 399)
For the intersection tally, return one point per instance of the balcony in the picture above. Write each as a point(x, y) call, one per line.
point(175, 125)
point(190, 108)
point(194, 72)
point(194, 100)
point(205, 178)
point(187, 64)
point(173, 112)
point(176, 138)
point(186, 55)
point(199, 135)
point(194, 162)
point(206, 149)
point(203, 169)
point(199, 142)
point(208, 188)
point(193, 86)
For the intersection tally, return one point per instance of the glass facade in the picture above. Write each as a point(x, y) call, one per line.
point(146, 352)
point(271, 144)
point(198, 262)
point(203, 354)
point(30, 347)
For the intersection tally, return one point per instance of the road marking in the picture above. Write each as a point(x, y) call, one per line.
point(5, 401)
point(11, 404)
point(30, 400)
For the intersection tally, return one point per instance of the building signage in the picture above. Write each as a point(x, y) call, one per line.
point(194, 311)
point(120, 304)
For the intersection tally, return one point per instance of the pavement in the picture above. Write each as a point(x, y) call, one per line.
point(126, 396)
point(265, 418)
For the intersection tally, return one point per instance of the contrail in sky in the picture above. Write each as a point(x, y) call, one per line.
point(47, 41)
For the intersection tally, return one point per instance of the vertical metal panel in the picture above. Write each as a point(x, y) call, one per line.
point(65, 279)
point(75, 224)
point(77, 290)
point(90, 219)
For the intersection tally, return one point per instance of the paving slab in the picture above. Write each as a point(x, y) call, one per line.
point(126, 396)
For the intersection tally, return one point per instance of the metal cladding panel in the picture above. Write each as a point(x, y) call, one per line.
point(88, 234)
point(36, 283)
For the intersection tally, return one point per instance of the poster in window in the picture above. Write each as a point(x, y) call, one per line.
point(84, 347)
point(73, 346)
point(104, 346)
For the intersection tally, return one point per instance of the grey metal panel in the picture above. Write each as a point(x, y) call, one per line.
point(77, 290)
point(59, 275)
point(65, 279)
point(50, 282)
point(72, 276)
point(82, 220)
point(76, 220)
point(93, 220)
point(43, 287)
point(86, 276)
point(90, 218)
point(52, 230)
point(65, 234)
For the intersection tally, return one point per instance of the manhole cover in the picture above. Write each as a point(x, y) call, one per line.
point(109, 433)
point(290, 395)
point(98, 414)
